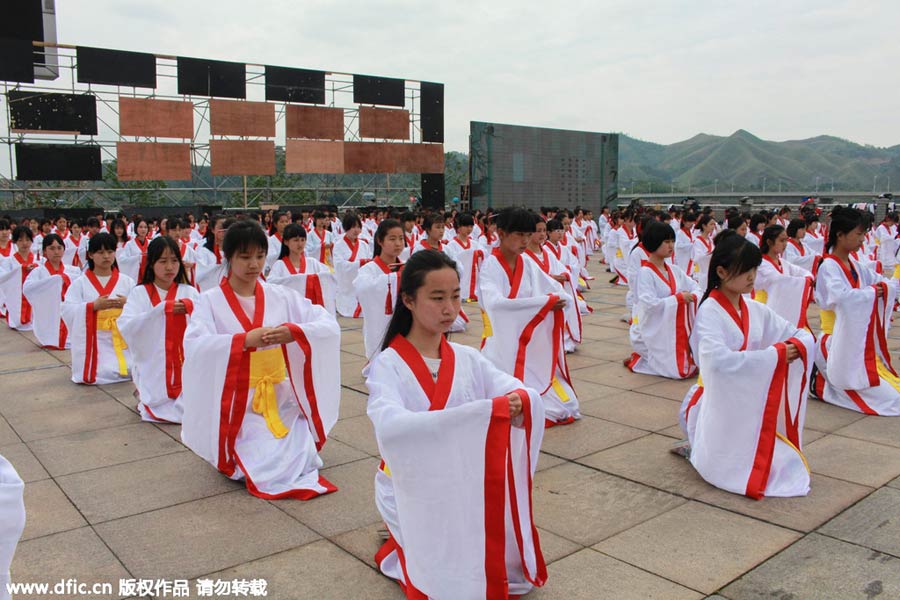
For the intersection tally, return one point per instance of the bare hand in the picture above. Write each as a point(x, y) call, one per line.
point(189, 265)
point(560, 304)
point(254, 337)
point(688, 296)
point(277, 335)
point(792, 352)
point(30, 267)
point(879, 291)
point(515, 404)
point(106, 303)
point(560, 278)
point(178, 308)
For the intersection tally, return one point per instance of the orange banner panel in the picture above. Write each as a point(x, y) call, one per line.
point(369, 157)
point(229, 117)
point(313, 156)
point(383, 123)
point(150, 161)
point(418, 158)
point(147, 117)
point(242, 157)
point(314, 122)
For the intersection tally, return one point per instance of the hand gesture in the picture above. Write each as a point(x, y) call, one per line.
point(515, 404)
point(792, 352)
point(178, 308)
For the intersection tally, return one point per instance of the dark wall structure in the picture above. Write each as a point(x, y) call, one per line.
point(535, 166)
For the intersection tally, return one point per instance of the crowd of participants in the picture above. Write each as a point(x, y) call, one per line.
point(227, 325)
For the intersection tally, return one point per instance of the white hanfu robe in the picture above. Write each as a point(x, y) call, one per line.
point(154, 335)
point(814, 242)
point(378, 289)
point(550, 266)
point(662, 323)
point(211, 267)
point(12, 280)
point(317, 245)
point(702, 254)
point(886, 247)
point(683, 256)
point(786, 288)
point(468, 257)
point(45, 290)
point(261, 415)
point(12, 519)
point(453, 459)
point(621, 242)
point(854, 362)
point(348, 258)
point(798, 254)
point(745, 422)
point(75, 251)
point(314, 280)
point(99, 353)
point(523, 335)
point(132, 258)
point(274, 250)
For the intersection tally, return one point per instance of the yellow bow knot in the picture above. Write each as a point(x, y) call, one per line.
point(827, 319)
point(267, 370)
point(106, 321)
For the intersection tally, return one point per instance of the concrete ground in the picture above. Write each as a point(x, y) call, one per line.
point(109, 497)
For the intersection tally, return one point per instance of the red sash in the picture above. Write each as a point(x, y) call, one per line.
point(322, 248)
point(175, 326)
point(66, 282)
point(684, 321)
point(76, 260)
point(389, 299)
point(25, 307)
point(91, 353)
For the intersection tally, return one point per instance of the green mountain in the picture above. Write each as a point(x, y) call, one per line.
point(748, 162)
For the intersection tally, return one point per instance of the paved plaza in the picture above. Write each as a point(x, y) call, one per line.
point(109, 497)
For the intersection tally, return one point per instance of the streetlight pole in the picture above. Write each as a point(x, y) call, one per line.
point(874, 183)
point(764, 184)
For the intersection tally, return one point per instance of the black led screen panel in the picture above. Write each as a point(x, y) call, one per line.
point(16, 60)
point(116, 67)
point(58, 162)
point(35, 111)
point(432, 109)
point(433, 191)
point(295, 85)
point(200, 77)
point(535, 166)
point(379, 90)
point(23, 20)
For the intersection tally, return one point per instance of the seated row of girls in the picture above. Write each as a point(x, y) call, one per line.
point(430, 399)
point(665, 304)
point(744, 418)
point(853, 361)
point(301, 272)
point(785, 287)
point(261, 372)
point(525, 317)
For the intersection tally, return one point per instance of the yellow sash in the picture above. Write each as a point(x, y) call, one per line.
point(827, 319)
point(619, 253)
point(106, 321)
point(699, 381)
point(885, 374)
point(559, 389)
point(487, 331)
point(897, 272)
point(267, 369)
point(761, 296)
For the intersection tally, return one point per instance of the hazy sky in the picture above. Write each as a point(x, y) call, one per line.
point(660, 71)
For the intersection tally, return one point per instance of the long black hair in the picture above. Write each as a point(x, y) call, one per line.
point(380, 233)
point(769, 235)
point(290, 232)
point(794, 226)
point(416, 268)
point(50, 238)
point(733, 253)
point(843, 220)
point(101, 241)
point(155, 251)
point(243, 236)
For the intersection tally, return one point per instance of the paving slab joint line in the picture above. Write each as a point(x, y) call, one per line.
point(233, 566)
point(30, 369)
point(645, 570)
point(127, 462)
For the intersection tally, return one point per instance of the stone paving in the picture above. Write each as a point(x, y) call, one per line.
point(109, 497)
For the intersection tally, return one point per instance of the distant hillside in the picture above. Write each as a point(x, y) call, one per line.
point(745, 160)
